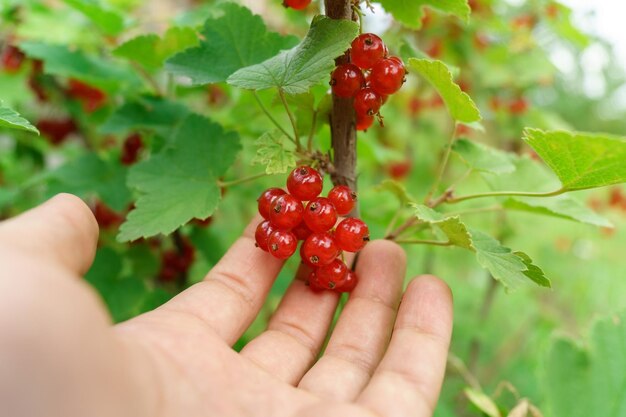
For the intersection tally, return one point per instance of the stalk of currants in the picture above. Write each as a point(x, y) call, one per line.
point(302, 215)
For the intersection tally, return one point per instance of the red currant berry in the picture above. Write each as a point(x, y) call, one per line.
point(301, 231)
point(364, 122)
point(332, 275)
point(262, 234)
point(318, 249)
point(282, 244)
point(265, 200)
point(286, 212)
point(367, 50)
point(346, 80)
point(297, 4)
point(387, 76)
point(305, 183)
point(320, 215)
point(349, 283)
point(313, 283)
point(367, 102)
point(351, 235)
point(343, 198)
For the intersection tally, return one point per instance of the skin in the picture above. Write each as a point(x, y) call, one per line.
point(61, 356)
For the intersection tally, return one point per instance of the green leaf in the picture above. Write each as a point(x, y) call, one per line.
point(180, 183)
point(272, 153)
point(533, 271)
point(410, 12)
point(398, 189)
point(151, 113)
point(460, 105)
point(581, 160)
point(480, 157)
point(562, 207)
point(90, 175)
point(505, 266)
point(233, 41)
point(452, 227)
point(483, 402)
point(590, 380)
point(60, 60)
point(303, 66)
point(11, 119)
point(108, 21)
point(151, 51)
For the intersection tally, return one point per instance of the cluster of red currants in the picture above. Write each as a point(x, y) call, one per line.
point(288, 219)
point(370, 78)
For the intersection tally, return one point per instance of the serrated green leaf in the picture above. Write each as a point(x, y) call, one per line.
point(581, 160)
point(151, 51)
point(562, 207)
point(410, 12)
point(504, 265)
point(272, 153)
point(60, 60)
point(90, 175)
point(180, 183)
point(590, 379)
point(152, 113)
point(484, 158)
point(303, 66)
point(533, 271)
point(459, 104)
point(233, 41)
point(9, 118)
point(398, 189)
point(108, 21)
point(483, 402)
point(452, 226)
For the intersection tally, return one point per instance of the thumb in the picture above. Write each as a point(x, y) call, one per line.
point(62, 230)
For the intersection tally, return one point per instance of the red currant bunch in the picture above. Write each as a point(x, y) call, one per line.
point(369, 79)
point(300, 214)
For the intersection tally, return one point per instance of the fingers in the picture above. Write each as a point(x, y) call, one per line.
point(296, 331)
point(234, 291)
point(62, 230)
point(364, 327)
point(408, 379)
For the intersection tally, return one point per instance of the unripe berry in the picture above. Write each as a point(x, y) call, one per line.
point(332, 275)
point(286, 212)
point(282, 244)
point(305, 183)
point(346, 80)
point(351, 235)
point(343, 198)
point(367, 50)
point(262, 234)
point(319, 249)
point(387, 76)
point(320, 215)
point(265, 200)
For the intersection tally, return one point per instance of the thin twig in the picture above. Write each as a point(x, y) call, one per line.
point(424, 242)
point(454, 200)
point(309, 143)
point(225, 184)
point(292, 119)
point(442, 169)
point(269, 116)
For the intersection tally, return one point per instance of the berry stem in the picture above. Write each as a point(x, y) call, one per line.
point(226, 184)
point(292, 119)
point(442, 170)
point(342, 117)
point(454, 200)
point(423, 242)
point(309, 143)
point(269, 116)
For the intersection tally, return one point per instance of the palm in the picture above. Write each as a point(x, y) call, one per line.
point(177, 360)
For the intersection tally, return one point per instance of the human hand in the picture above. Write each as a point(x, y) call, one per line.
point(60, 355)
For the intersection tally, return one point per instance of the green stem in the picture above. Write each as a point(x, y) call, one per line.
point(309, 143)
point(292, 119)
point(424, 242)
point(474, 211)
point(442, 169)
point(225, 184)
point(356, 9)
point(269, 116)
point(455, 200)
